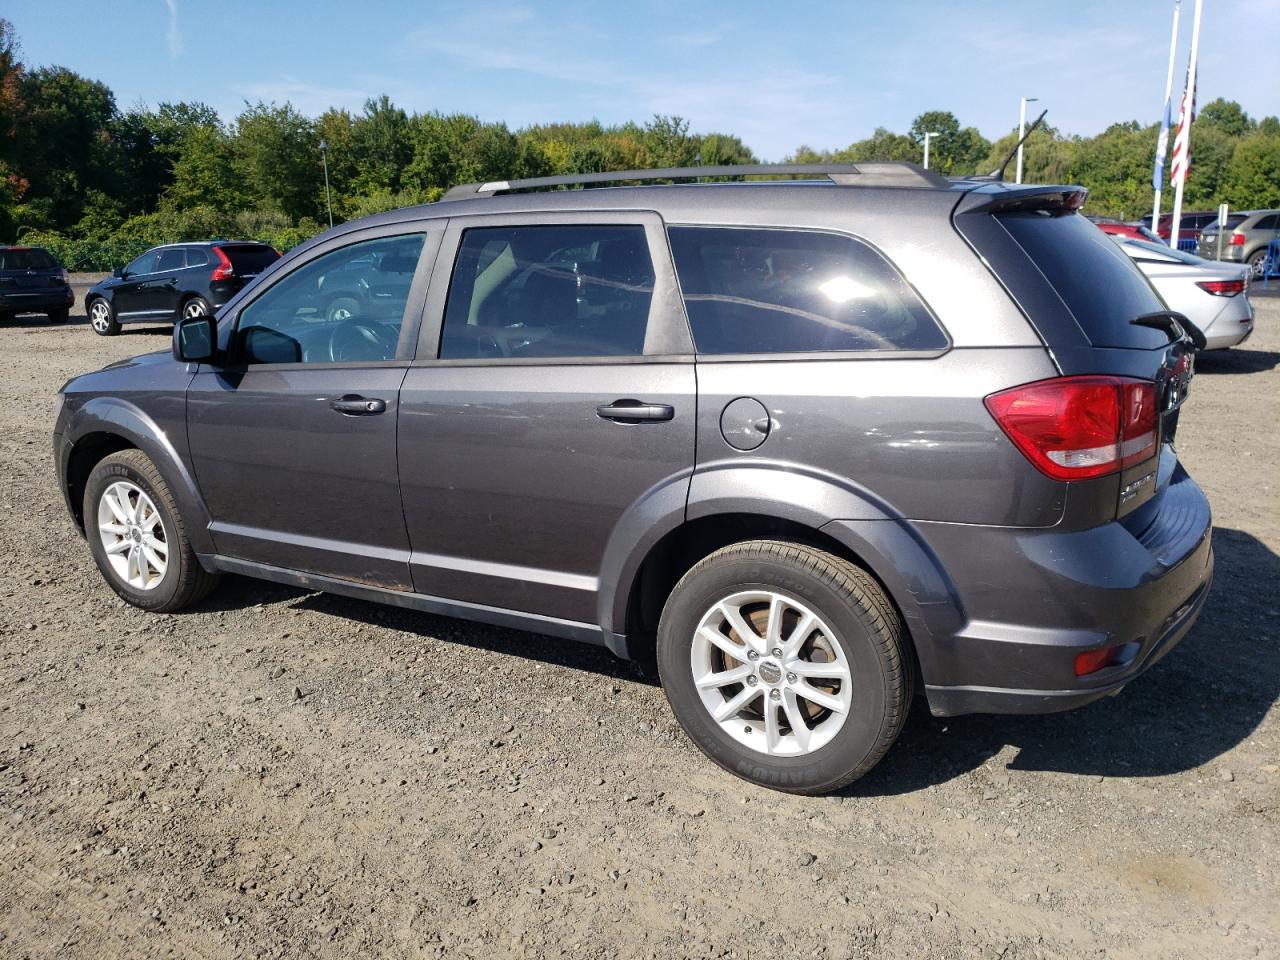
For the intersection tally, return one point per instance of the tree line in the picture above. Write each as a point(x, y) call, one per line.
point(98, 184)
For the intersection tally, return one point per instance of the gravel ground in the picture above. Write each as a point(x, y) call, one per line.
point(285, 774)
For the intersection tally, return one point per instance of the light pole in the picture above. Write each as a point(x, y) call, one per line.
point(1022, 123)
point(927, 137)
point(324, 159)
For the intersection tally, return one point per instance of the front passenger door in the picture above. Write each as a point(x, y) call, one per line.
point(294, 437)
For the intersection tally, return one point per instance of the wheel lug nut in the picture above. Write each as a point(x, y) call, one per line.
point(751, 680)
point(776, 651)
point(753, 656)
point(791, 678)
point(775, 694)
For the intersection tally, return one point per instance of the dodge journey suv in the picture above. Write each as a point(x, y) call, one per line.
point(812, 445)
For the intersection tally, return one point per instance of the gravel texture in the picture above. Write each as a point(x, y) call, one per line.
point(285, 774)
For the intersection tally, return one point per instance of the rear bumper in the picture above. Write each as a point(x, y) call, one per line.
point(1035, 599)
point(1232, 326)
point(37, 301)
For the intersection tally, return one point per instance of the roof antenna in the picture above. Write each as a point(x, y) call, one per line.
point(998, 172)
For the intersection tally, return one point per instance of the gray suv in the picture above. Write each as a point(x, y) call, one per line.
point(813, 444)
point(1246, 238)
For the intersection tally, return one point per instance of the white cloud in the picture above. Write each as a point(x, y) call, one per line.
point(310, 99)
point(174, 36)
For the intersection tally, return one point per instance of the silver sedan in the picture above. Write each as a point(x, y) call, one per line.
point(1213, 295)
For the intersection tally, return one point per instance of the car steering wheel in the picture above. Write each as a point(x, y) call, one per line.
point(356, 340)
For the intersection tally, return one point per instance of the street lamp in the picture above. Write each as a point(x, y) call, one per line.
point(324, 158)
point(1022, 123)
point(927, 137)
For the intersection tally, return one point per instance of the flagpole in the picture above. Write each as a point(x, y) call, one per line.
point(1190, 99)
point(1162, 145)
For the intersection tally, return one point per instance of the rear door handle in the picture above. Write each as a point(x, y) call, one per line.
point(356, 406)
point(634, 411)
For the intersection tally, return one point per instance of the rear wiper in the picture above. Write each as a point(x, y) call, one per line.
point(1175, 324)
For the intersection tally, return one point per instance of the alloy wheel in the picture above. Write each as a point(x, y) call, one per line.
point(195, 308)
point(133, 535)
point(771, 674)
point(100, 316)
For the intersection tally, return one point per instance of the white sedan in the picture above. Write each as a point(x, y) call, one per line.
point(1213, 295)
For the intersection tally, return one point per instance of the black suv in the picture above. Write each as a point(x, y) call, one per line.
point(33, 281)
point(811, 445)
point(175, 280)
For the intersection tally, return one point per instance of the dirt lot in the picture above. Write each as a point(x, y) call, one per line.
point(283, 774)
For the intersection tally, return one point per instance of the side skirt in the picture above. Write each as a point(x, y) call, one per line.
point(461, 610)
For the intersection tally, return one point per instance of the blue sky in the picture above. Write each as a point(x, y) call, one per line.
point(776, 74)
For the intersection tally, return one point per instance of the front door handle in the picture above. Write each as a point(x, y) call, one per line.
point(634, 411)
point(356, 406)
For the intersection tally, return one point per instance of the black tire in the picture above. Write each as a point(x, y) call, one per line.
point(184, 581)
point(867, 630)
point(102, 317)
point(1257, 263)
point(195, 304)
point(59, 316)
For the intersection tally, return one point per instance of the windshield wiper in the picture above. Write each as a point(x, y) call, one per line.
point(1173, 323)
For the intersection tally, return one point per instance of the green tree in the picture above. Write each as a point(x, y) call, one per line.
point(1252, 179)
point(1225, 115)
point(277, 154)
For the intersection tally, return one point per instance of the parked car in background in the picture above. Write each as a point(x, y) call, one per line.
point(33, 281)
point(1117, 228)
point(1189, 227)
point(809, 445)
point(1213, 296)
point(175, 280)
point(1247, 236)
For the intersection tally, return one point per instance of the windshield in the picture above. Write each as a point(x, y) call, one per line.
point(1100, 285)
point(30, 259)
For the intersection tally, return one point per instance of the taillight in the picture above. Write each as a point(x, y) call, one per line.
point(1094, 660)
point(1237, 239)
point(1221, 288)
point(224, 270)
point(1074, 428)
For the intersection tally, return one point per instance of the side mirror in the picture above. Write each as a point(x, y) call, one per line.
point(195, 339)
point(118, 273)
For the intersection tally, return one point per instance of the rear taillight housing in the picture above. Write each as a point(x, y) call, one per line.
point(1222, 288)
point(1075, 428)
point(224, 270)
point(1237, 239)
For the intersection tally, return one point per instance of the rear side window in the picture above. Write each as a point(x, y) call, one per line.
point(553, 291)
point(173, 258)
point(793, 291)
point(31, 259)
point(1100, 285)
point(1269, 222)
point(249, 259)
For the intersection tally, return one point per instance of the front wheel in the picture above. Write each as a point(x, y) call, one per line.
point(785, 664)
point(103, 319)
point(137, 536)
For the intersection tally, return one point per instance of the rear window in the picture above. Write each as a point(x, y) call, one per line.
point(249, 258)
point(30, 259)
point(795, 291)
point(1233, 220)
point(1096, 280)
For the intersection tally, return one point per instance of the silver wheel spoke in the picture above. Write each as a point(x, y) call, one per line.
point(158, 545)
point(820, 697)
point(773, 625)
point(152, 558)
point(740, 626)
point(795, 717)
point(799, 634)
point(772, 728)
point(120, 546)
point(735, 650)
point(733, 706)
point(817, 671)
point(725, 677)
point(113, 504)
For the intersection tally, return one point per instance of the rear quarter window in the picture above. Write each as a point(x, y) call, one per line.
point(754, 291)
point(1096, 280)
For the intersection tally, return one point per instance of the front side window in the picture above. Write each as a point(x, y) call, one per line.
point(549, 291)
point(347, 305)
point(793, 291)
point(144, 264)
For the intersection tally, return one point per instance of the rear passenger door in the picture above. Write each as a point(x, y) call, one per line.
point(560, 400)
point(159, 292)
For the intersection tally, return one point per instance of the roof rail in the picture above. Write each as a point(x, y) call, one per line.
point(878, 174)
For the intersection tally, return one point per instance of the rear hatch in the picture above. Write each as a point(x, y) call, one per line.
point(1097, 315)
point(28, 272)
point(245, 262)
point(1207, 245)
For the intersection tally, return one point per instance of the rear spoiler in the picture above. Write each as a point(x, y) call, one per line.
point(1014, 199)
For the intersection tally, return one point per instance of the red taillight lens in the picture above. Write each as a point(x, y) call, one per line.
point(1222, 288)
point(1074, 428)
point(224, 270)
point(1237, 240)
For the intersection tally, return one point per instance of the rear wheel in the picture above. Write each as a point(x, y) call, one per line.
point(196, 307)
point(102, 318)
point(138, 537)
point(1258, 263)
point(785, 664)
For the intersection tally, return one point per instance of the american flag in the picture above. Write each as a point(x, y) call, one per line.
point(1180, 165)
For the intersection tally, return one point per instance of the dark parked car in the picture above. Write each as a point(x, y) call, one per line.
point(1117, 228)
point(175, 280)
point(1189, 226)
point(33, 281)
point(810, 445)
